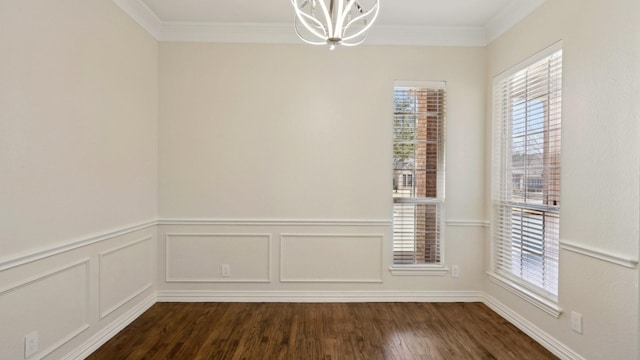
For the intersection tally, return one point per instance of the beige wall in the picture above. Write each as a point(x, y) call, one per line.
point(287, 133)
point(298, 132)
point(601, 126)
point(78, 93)
point(78, 158)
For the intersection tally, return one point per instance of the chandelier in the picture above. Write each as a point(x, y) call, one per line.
point(342, 22)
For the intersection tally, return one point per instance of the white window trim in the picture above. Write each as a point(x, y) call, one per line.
point(526, 63)
point(549, 306)
point(434, 269)
point(545, 302)
point(419, 270)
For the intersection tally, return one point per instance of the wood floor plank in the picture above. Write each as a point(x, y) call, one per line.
point(368, 331)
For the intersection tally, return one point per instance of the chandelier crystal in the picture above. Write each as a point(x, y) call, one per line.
point(340, 22)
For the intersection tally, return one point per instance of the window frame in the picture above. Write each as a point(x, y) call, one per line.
point(435, 268)
point(533, 294)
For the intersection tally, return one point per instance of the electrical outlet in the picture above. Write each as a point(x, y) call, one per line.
point(226, 270)
point(30, 344)
point(576, 322)
point(455, 271)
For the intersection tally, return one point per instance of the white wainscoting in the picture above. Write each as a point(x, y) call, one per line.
point(85, 291)
point(67, 291)
point(331, 258)
point(55, 303)
point(126, 272)
point(198, 257)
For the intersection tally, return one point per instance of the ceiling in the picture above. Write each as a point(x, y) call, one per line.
point(419, 22)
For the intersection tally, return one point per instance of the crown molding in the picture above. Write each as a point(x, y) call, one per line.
point(512, 14)
point(228, 33)
point(281, 33)
point(143, 15)
point(426, 36)
point(277, 33)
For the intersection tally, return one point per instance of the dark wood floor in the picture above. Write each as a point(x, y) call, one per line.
point(404, 331)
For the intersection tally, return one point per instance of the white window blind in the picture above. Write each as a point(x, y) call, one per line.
point(418, 173)
point(526, 181)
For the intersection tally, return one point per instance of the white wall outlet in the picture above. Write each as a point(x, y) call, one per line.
point(30, 344)
point(226, 270)
point(455, 271)
point(576, 322)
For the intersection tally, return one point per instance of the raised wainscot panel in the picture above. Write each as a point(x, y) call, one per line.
point(202, 257)
point(54, 304)
point(125, 272)
point(331, 258)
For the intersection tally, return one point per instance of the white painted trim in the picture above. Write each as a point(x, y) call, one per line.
point(101, 255)
point(104, 314)
point(85, 261)
point(36, 278)
point(28, 257)
point(529, 296)
point(417, 270)
point(111, 330)
point(229, 33)
point(468, 223)
point(283, 33)
point(122, 247)
point(599, 254)
point(217, 280)
point(426, 36)
point(511, 15)
point(374, 236)
point(549, 342)
point(142, 14)
point(62, 341)
point(319, 296)
point(275, 222)
point(546, 52)
point(31, 256)
point(419, 85)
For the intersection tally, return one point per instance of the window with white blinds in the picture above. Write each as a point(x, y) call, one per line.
point(418, 172)
point(526, 181)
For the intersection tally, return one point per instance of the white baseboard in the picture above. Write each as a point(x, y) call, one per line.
point(549, 342)
point(320, 296)
point(111, 330)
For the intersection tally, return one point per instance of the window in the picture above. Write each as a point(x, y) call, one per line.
point(407, 180)
point(526, 181)
point(418, 173)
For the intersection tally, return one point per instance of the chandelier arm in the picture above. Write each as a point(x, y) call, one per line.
point(376, 8)
point(327, 15)
point(310, 42)
point(302, 36)
point(342, 15)
point(301, 18)
point(347, 43)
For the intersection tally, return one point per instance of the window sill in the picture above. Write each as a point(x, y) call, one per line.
point(537, 300)
point(419, 270)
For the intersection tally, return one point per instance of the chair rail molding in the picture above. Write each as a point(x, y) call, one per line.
point(599, 254)
point(38, 254)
